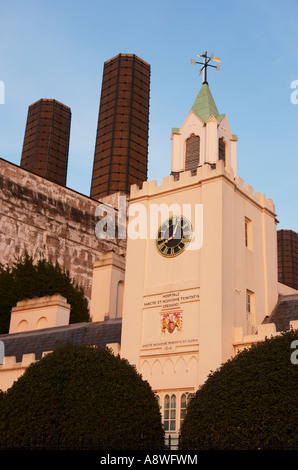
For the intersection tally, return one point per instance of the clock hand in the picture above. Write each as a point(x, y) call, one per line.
point(173, 235)
point(175, 230)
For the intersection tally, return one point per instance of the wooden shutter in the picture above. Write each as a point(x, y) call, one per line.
point(221, 149)
point(192, 157)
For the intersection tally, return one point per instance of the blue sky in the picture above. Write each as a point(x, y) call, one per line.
point(56, 49)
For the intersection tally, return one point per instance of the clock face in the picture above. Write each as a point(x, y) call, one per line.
point(173, 236)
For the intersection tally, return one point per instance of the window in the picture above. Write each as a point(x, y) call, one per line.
point(173, 409)
point(169, 413)
point(222, 149)
point(182, 408)
point(248, 233)
point(185, 397)
point(250, 312)
point(192, 152)
point(249, 295)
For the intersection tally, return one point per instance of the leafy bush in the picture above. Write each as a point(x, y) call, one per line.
point(81, 390)
point(251, 400)
point(24, 280)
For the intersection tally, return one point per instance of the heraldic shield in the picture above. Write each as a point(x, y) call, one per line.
point(171, 322)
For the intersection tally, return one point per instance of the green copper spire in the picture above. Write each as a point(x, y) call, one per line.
point(204, 105)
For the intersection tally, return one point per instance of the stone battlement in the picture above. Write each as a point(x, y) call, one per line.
point(202, 173)
point(259, 198)
point(264, 330)
point(11, 363)
point(12, 369)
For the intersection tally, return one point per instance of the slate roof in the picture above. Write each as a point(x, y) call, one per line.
point(38, 341)
point(286, 310)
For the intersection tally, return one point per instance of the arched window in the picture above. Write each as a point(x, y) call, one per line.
point(192, 152)
point(183, 403)
point(184, 400)
point(222, 149)
point(169, 413)
point(158, 400)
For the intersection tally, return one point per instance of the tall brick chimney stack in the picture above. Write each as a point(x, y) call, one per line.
point(46, 140)
point(121, 149)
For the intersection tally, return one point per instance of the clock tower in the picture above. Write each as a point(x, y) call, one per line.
point(201, 262)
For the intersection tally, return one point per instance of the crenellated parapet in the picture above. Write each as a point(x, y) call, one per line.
point(11, 362)
point(202, 174)
point(14, 367)
point(264, 331)
point(259, 198)
point(181, 180)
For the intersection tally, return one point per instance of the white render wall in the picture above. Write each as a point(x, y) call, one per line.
point(220, 272)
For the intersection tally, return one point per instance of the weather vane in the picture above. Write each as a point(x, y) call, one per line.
point(205, 63)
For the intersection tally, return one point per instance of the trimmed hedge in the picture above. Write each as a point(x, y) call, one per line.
point(25, 280)
point(250, 401)
point(78, 390)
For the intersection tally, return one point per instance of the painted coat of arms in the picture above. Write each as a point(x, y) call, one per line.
point(171, 322)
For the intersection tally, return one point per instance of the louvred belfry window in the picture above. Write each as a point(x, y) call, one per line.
point(192, 152)
point(222, 149)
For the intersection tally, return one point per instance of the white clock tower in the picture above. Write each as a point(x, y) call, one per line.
point(203, 269)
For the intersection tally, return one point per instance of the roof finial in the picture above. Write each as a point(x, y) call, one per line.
point(205, 63)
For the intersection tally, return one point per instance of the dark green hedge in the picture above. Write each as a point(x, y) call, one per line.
point(25, 280)
point(81, 390)
point(251, 400)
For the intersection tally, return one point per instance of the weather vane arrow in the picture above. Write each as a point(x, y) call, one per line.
point(206, 63)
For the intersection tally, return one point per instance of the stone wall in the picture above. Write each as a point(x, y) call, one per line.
point(46, 219)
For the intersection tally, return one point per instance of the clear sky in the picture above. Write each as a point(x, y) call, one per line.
point(56, 49)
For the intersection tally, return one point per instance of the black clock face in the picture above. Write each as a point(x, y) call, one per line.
point(173, 236)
